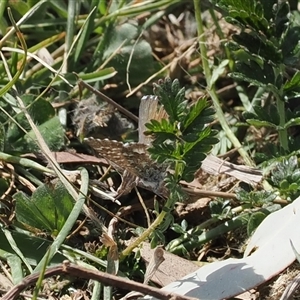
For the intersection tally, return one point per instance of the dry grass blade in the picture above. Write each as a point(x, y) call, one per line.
point(292, 287)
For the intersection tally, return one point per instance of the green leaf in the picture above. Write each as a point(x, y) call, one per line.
point(292, 122)
point(199, 115)
point(16, 268)
point(183, 140)
point(217, 72)
point(103, 74)
point(282, 18)
point(127, 57)
point(52, 132)
point(19, 6)
point(293, 83)
point(246, 13)
point(164, 152)
point(48, 124)
point(268, 7)
point(290, 46)
point(172, 98)
point(46, 210)
point(284, 185)
point(246, 57)
point(254, 73)
point(259, 45)
point(26, 243)
point(60, 7)
point(195, 153)
point(254, 221)
point(258, 123)
point(162, 126)
point(269, 114)
point(87, 31)
point(178, 229)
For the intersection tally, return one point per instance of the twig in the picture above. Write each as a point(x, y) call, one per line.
point(68, 268)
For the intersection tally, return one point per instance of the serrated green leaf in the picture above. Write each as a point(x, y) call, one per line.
point(256, 74)
point(243, 77)
point(257, 44)
point(163, 152)
point(163, 126)
point(290, 46)
point(268, 9)
point(247, 13)
point(282, 18)
point(245, 57)
point(172, 98)
point(199, 115)
point(268, 114)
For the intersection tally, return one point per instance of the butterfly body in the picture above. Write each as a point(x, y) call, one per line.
point(132, 158)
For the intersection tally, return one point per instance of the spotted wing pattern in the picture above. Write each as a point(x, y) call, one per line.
point(130, 157)
point(133, 158)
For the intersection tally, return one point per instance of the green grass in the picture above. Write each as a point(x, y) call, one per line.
point(51, 50)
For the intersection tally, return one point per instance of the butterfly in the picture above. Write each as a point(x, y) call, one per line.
point(132, 160)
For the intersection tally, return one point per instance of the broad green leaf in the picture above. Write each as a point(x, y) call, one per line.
point(16, 268)
point(129, 59)
point(46, 210)
point(43, 115)
point(254, 221)
point(33, 248)
point(51, 130)
point(19, 7)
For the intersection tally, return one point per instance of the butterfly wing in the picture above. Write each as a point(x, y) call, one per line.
point(132, 157)
point(149, 110)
